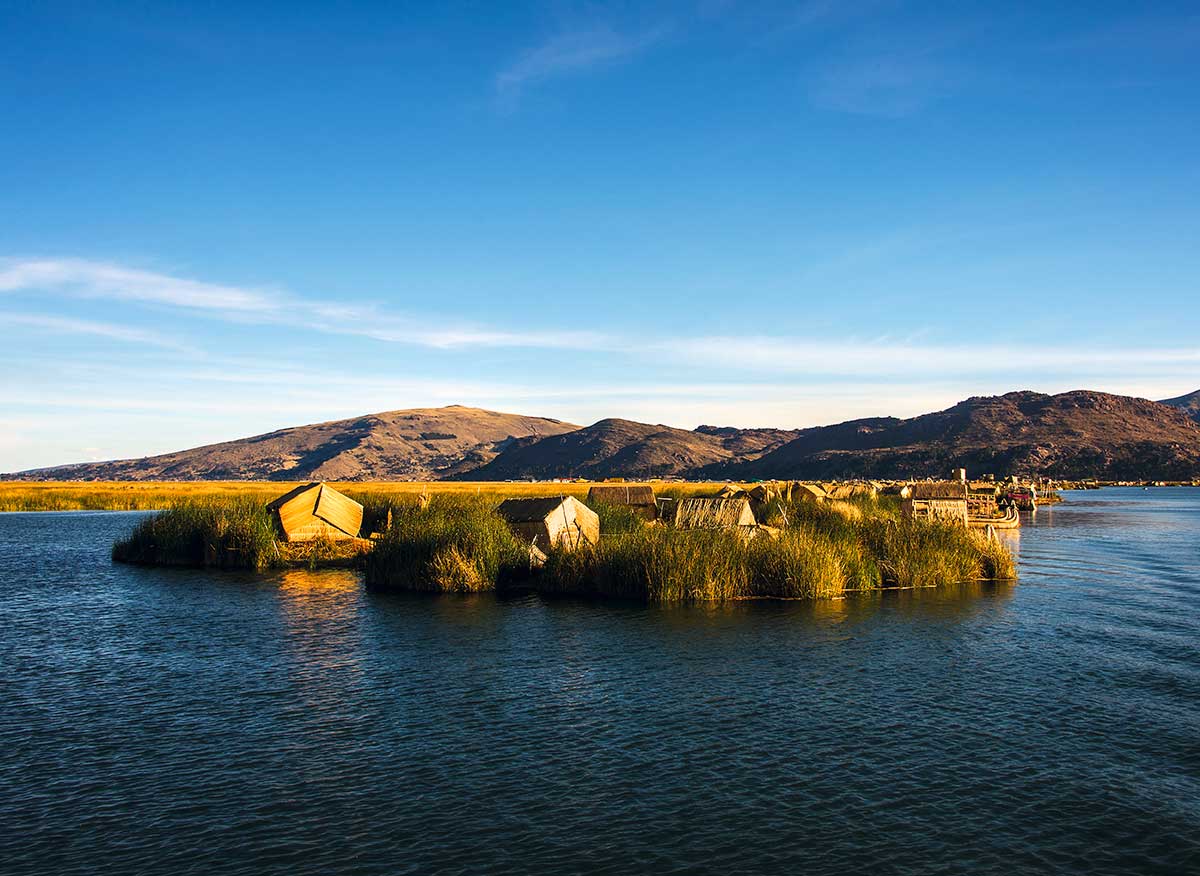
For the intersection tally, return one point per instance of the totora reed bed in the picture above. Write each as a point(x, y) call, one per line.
point(456, 543)
point(818, 551)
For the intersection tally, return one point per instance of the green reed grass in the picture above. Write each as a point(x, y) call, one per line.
point(617, 518)
point(456, 544)
point(225, 533)
point(821, 550)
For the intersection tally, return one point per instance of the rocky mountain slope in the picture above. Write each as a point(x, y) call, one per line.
point(1189, 404)
point(419, 444)
point(625, 448)
point(1073, 434)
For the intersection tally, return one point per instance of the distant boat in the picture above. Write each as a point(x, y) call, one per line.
point(1025, 498)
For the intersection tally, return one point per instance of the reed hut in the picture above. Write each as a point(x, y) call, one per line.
point(640, 500)
point(942, 500)
point(316, 510)
point(809, 492)
point(761, 494)
point(730, 513)
point(553, 521)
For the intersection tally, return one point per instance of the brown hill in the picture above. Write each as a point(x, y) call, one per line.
point(1071, 435)
point(626, 448)
point(419, 444)
point(1189, 404)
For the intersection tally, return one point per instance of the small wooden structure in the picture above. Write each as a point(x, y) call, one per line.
point(981, 498)
point(640, 500)
point(730, 513)
point(943, 500)
point(316, 510)
point(553, 521)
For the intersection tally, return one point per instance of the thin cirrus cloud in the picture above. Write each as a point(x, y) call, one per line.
point(871, 357)
point(65, 325)
point(891, 357)
point(92, 280)
point(89, 279)
point(570, 52)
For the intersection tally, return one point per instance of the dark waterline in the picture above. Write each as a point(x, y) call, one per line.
point(166, 721)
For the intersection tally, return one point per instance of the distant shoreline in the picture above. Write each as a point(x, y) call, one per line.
point(156, 495)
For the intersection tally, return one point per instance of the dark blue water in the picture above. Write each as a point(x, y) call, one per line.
point(173, 722)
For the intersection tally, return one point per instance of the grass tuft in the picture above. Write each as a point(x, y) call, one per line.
point(457, 544)
point(225, 534)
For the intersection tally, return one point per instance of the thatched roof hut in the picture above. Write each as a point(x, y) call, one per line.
point(316, 510)
point(554, 521)
point(713, 513)
point(938, 490)
point(809, 492)
point(761, 494)
point(939, 500)
point(639, 499)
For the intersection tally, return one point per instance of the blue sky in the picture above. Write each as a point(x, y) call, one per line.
point(221, 219)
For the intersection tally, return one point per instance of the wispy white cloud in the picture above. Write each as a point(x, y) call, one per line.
point(903, 358)
point(770, 354)
point(572, 51)
point(893, 84)
point(894, 73)
point(91, 279)
point(64, 325)
point(84, 279)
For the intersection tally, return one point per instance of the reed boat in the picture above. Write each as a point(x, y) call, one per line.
point(1010, 520)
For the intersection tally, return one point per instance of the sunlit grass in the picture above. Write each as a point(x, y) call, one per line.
point(452, 540)
point(227, 533)
point(454, 544)
point(156, 495)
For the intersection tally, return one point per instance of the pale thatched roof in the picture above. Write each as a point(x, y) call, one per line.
point(810, 491)
point(938, 490)
point(316, 509)
point(713, 513)
point(533, 510)
point(561, 521)
point(621, 495)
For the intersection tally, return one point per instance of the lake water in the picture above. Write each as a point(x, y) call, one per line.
point(172, 722)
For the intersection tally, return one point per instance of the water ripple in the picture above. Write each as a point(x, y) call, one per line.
point(158, 721)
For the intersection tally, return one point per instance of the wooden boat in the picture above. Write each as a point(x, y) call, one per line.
point(1010, 520)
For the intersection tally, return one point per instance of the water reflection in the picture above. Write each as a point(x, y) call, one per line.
point(156, 720)
point(321, 636)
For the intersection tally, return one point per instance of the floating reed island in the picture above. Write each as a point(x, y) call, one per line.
point(774, 541)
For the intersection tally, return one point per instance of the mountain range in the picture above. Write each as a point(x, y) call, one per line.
point(1074, 434)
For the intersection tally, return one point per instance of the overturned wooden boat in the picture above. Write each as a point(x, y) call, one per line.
point(1010, 520)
